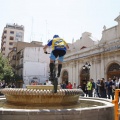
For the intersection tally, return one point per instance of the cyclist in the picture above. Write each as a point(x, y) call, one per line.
point(59, 47)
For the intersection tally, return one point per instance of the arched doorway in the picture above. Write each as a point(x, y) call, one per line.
point(65, 77)
point(84, 77)
point(113, 70)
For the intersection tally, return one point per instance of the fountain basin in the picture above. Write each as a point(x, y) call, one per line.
point(40, 97)
point(91, 108)
point(42, 87)
point(42, 104)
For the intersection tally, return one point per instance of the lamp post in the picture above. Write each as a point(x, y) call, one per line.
point(86, 67)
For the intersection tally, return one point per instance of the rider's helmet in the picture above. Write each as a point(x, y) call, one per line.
point(55, 36)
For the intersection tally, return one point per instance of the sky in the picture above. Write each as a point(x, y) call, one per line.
point(67, 18)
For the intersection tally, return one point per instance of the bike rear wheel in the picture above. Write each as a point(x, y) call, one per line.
point(55, 83)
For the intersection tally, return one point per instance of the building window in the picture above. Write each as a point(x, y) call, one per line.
point(114, 67)
point(11, 32)
point(3, 49)
point(15, 49)
point(5, 31)
point(11, 38)
point(10, 48)
point(4, 37)
point(10, 43)
point(19, 35)
point(65, 73)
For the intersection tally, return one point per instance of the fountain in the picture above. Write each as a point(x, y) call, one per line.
point(38, 102)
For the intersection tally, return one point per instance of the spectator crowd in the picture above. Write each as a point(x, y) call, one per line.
point(3, 84)
point(101, 88)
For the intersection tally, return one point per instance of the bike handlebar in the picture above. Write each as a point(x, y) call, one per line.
point(46, 52)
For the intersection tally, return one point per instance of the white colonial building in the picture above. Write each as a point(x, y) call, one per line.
point(35, 65)
point(103, 56)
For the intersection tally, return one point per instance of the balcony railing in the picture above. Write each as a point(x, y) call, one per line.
point(19, 66)
point(13, 65)
point(19, 57)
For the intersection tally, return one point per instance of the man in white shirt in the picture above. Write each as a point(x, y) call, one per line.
point(48, 82)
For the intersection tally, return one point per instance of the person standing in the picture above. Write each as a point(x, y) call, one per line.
point(93, 88)
point(102, 88)
point(3, 84)
point(63, 85)
point(105, 87)
point(69, 86)
point(98, 88)
point(89, 88)
point(117, 83)
point(13, 85)
point(48, 82)
point(110, 90)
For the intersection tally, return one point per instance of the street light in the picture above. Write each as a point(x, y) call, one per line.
point(86, 67)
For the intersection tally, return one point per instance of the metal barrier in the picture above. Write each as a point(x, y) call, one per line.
point(116, 107)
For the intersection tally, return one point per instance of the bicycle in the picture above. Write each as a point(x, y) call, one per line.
point(54, 79)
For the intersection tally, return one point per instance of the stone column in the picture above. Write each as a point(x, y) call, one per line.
point(73, 72)
point(70, 71)
point(92, 69)
point(77, 72)
point(97, 69)
point(102, 71)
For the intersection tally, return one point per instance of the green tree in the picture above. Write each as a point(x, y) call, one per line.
point(6, 72)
